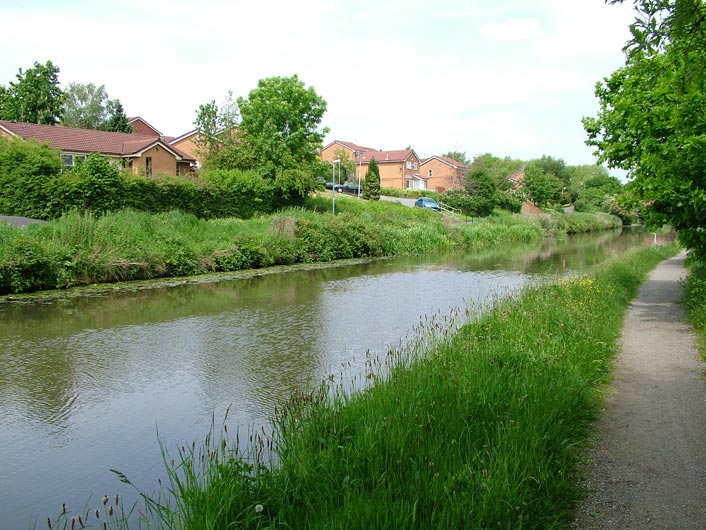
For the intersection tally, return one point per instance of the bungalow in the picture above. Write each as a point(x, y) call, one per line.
point(443, 173)
point(398, 168)
point(141, 154)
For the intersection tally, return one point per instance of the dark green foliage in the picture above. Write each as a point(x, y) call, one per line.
point(544, 189)
point(280, 121)
point(651, 120)
point(117, 119)
point(28, 172)
point(36, 97)
point(94, 184)
point(371, 190)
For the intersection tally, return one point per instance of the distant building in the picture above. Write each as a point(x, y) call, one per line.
point(142, 154)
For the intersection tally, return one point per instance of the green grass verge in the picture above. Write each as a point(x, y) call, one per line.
point(695, 300)
point(82, 249)
point(480, 428)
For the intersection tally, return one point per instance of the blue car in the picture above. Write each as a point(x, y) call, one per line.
point(427, 202)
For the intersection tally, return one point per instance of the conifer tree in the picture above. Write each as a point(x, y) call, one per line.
point(371, 190)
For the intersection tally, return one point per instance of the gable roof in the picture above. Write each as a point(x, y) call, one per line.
point(397, 155)
point(69, 139)
point(351, 145)
point(142, 124)
point(446, 160)
point(173, 140)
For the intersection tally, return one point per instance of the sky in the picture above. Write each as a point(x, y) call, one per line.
point(508, 77)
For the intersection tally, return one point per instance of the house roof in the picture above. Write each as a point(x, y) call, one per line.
point(350, 145)
point(446, 160)
point(382, 157)
point(69, 139)
point(173, 140)
point(135, 119)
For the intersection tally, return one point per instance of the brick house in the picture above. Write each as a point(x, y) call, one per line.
point(398, 168)
point(443, 173)
point(141, 154)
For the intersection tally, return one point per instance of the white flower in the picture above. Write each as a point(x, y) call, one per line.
point(259, 508)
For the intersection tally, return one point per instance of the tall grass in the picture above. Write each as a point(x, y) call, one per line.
point(695, 299)
point(81, 249)
point(477, 429)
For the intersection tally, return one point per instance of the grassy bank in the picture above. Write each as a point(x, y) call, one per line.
point(82, 249)
point(696, 300)
point(483, 429)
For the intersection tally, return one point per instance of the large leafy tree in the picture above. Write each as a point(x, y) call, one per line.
point(542, 186)
point(280, 120)
point(651, 120)
point(35, 97)
point(88, 107)
point(217, 142)
point(84, 106)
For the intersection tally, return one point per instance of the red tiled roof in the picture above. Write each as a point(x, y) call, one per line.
point(446, 160)
point(399, 155)
point(72, 140)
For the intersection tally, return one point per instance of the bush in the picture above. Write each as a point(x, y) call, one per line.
point(28, 171)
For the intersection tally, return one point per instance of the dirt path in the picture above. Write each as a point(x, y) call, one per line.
point(648, 468)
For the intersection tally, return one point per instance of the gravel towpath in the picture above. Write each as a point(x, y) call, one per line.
point(648, 467)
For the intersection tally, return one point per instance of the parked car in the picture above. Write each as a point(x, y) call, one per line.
point(334, 186)
point(427, 202)
point(353, 188)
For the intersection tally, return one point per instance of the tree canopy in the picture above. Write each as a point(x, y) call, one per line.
point(651, 120)
point(280, 120)
point(35, 97)
point(88, 107)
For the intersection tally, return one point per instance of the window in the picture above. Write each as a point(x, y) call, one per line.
point(409, 164)
point(430, 173)
point(71, 160)
point(148, 166)
point(416, 166)
point(177, 169)
point(408, 184)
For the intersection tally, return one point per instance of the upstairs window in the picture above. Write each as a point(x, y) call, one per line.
point(409, 164)
point(430, 173)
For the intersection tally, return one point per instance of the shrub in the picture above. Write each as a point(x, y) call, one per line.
point(28, 171)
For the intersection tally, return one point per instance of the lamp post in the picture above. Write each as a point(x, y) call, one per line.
point(333, 183)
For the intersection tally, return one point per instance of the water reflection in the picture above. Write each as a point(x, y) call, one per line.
point(87, 380)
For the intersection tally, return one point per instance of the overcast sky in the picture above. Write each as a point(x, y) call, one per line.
point(509, 77)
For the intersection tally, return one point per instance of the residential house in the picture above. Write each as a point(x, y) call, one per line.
point(141, 154)
point(398, 168)
point(140, 126)
point(186, 143)
point(443, 173)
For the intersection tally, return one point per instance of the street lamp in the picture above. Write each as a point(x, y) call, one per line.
point(333, 183)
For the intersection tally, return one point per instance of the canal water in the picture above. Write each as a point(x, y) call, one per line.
point(89, 380)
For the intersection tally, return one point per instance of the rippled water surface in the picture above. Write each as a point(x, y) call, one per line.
point(88, 381)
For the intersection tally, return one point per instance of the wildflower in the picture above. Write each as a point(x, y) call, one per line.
point(259, 508)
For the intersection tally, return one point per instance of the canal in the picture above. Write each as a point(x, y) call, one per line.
point(90, 378)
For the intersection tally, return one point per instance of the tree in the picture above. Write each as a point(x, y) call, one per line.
point(541, 187)
point(458, 156)
point(280, 120)
point(371, 190)
point(84, 106)
point(497, 168)
point(36, 96)
point(218, 142)
point(651, 120)
point(117, 119)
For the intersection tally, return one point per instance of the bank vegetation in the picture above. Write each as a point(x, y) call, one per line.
point(85, 248)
